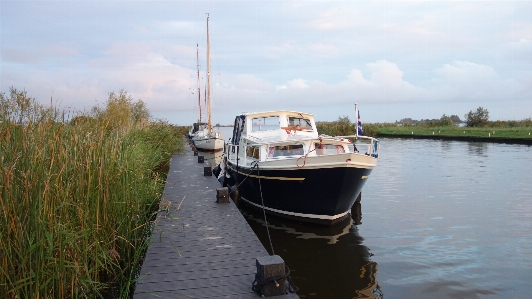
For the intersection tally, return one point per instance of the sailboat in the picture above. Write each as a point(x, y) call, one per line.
point(203, 135)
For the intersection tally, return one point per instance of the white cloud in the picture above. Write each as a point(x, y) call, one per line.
point(323, 50)
point(521, 50)
point(54, 54)
point(297, 84)
point(464, 80)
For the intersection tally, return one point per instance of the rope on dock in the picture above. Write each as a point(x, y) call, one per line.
point(256, 286)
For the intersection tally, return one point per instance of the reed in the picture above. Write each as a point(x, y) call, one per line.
point(76, 201)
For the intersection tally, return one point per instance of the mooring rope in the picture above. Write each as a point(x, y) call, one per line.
point(256, 286)
point(247, 176)
point(262, 201)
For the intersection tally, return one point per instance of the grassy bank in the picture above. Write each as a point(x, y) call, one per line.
point(455, 131)
point(508, 130)
point(76, 198)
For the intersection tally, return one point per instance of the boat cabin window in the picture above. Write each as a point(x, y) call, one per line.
point(299, 123)
point(253, 152)
point(328, 149)
point(265, 123)
point(286, 150)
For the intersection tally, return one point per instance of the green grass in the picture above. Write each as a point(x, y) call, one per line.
point(76, 201)
point(496, 132)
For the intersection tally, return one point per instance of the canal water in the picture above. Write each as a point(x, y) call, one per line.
point(438, 219)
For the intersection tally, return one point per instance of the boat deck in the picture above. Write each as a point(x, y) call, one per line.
point(199, 248)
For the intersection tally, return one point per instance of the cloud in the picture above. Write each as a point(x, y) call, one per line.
point(334, 18)
point(462, 80)
point(38, 56)
point(273, 54)
point(323, 50)
point(384, 84)
point(521, 50)
point(297, 84)
point(175, 25)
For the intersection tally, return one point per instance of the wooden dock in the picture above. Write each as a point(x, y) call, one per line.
point(199, 248)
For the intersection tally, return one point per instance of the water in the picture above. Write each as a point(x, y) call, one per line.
point(439, 219)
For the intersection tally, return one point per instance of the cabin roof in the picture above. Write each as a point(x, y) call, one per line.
point(276, 112)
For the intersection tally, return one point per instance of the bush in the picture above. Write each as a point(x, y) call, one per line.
point(478, 118)
point(446, 121)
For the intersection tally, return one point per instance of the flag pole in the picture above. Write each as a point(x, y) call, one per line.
point(356, 120)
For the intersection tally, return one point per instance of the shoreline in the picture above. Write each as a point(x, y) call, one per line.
point(461, 138)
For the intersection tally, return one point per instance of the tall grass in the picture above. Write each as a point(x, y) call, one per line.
point(75, 201)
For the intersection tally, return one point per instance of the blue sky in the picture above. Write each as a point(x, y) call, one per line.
point(396, 59)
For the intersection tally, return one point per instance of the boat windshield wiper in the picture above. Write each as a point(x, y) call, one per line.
point(306, 120)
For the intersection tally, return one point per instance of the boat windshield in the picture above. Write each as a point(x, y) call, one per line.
point(265, 123)
point(300, 122)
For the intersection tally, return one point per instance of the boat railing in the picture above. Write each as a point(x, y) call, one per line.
point(373, 144)
point(373, 148)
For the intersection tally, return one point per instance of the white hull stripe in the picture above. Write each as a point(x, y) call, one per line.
point(313, 216)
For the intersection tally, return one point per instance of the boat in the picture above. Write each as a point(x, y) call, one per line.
point(203, 135)
point(277, 161)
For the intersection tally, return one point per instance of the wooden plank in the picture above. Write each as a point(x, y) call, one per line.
point(199, 248)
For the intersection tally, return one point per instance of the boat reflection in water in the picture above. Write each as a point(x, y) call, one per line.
point(212, 158)
point(324, 261)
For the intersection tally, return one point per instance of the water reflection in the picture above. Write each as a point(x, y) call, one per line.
point(325, 262)
point(477, 148)
point(211, 158)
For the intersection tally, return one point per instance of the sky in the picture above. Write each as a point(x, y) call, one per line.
point(396, 59)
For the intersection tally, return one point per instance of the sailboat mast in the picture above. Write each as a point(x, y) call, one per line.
point(208, 76)
point(199, 90)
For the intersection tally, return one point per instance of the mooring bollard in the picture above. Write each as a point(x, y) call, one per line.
point(200, 159)
point(222, 195)
point(270, 277)
point(207, 171)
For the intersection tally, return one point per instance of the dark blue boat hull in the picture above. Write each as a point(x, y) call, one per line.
point(320, 195)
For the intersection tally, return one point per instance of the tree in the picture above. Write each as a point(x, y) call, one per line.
point(446, 121)
point(140, 112)
point(343, 126)
point(478, 118)
point(456, 119)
